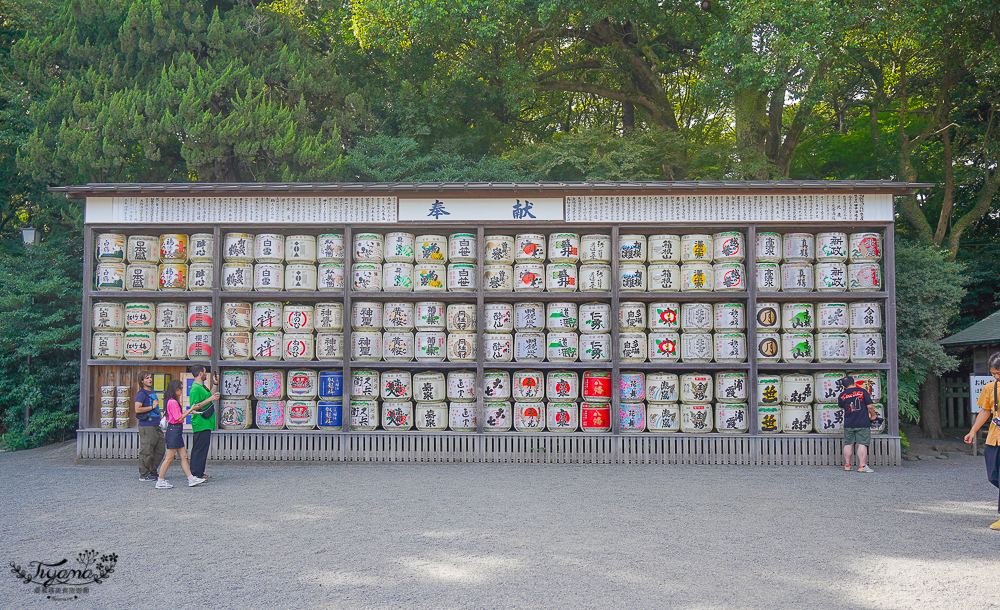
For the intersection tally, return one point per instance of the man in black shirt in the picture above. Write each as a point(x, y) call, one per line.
point(858, 413)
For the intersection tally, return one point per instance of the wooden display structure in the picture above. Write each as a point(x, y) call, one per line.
point(487, 209)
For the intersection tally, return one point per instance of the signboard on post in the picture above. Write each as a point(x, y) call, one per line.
point(976, 385)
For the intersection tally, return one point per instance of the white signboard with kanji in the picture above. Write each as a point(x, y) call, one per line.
point(976, 385)
point(510, 209)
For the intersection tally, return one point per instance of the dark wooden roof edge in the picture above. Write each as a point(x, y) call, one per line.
point(983, 332)
point(197, 188)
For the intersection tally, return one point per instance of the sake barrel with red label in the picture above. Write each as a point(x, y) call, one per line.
point(397, 415)
point(461, 385)
point(732, 418)
point(870, 381)
point(238, 248)
point(462, 416)
point(236, 345)
point(301, 383)
point(595, 417)
point(364, 415)
point(297, 318)
point(142, 276)
point(595, 248)
point(235, 383)
point(141, 249)
point(269, 248)
point(864, 277)
point(174, 248)
point(664, 248)
point(696, 418)
point(271, 414)
point(564, 247)
point(497, 417)
point(236, 316)
point(664, 316)
point(529, 277)
point(235, 414)
point(527, 385)
point(396, 385)
point(429, 386)
point(529, 416)
point(268, 384)
point(866, 247)
point(267, 345)
point(330, 248)
point(300, 414)
point(199, 315)
point(462, 247)
point(108, 316)
point(596, 386)
point(562, 386)
point(728, 247)
point(298, 346)
point(171, 316)
point(140, 345)
point(199, 344)
point(562, 416)
point(173, 276)
point(631, 417)
point(663, 417)
point(529, 247)
point(499, 250)
point(631, 386)
point(496, 385)
point(632, 347)
point(729, 277)
point(697, 248)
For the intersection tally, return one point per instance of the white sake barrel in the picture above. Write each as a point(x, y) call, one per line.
point(499, 317)
point(268, 384)
point(769, 390)
point(236, 345)
point(140, 345)
point(768, 277)
point(833, 347)
point(266, 315)
point(768, 247)
point(235, 414)
point(529, 248)
point(496, 385)
point(561, 277)
point(429, 386)
point(664, 316)
point(368, 247)
point(300, 414)
point(663, 277)
point(797, 389)
point(329, 345)
point(663, 417)
point(664, 346)
point(729, 277)
point(632, 249)
point(461, 347)
point(462, 385)
point(199, 315)
point(199, 344)
point(201, 276)
point(269, 248)
point(302, 384)
point(697, 317)
point(730, 347)
point(768, 347)
point(529, 277)
point(697, 248)
point(631, 417)
point(330, 248)
point(866, 247)
point(562, 416)
point(768, 317)
point(330, 278)
point(831, 317)
point(140, 316)
point(595, 248)
point(430, 277)
point(108, 345)
point(430, 346)
point(497, 417)
point(268, 277)
point(499, 250)
point(365, 384)
point(529, 416)
point(498, 278)
point(396, 385)
point(108, 316)
point(527, 385)
point(696, 418)
point(864, 277)
point(831, 247)
point(528, 347)
point(595, 417)
point(631, 386)
point(330, 414)
point(797, 317)
point(462, 247)
point(731, 386)
point(330, 316)
point(697, 347)
point(430, 315)
point(561, 316)
point(174, 248)
point(431, 249)
point(397, 415)
point(631, 316)
point(664, 248)
point(632, 347)
point(142, 276)
point(297, 318)
point(797, 347)
point(366, 346)
point(397, 277)
point(364, 415)
point(732, 418)
point(140, 249)
point(866, 347)
point(398, 316)
point(662, 387)
point(367, 277)
point(729, 247)
point(831, 277)
point(529, 316)
point(596, 386)
point(631, 277)
point(595, 318)
point(462, 416)
point(235, 383)
point(173, 276)
point(828, 419)
point(697, 277)
point(797, 277)
point(878, 424)
point(729, 316)
point(300, 277)
point(562, 346)
point(562, 386)
point(398, 346)
point(798, 247)
point(564, 247)
point(865, 316)
point(796, 419)
point(399, 247)
point(237, 276)
point(366, 315)
point(238, 248)
point(828, 385)
point(595, 348)
point(462, 277)
point(870, 381)
point(270, 414)
point(300, 249)
point(769, 419)
point(595, 278)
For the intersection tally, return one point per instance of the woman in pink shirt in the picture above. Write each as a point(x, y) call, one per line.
point(175, 436)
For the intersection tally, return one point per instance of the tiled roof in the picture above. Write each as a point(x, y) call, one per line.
point(983, 332)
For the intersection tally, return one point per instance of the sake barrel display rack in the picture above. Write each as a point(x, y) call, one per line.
point(730, 440)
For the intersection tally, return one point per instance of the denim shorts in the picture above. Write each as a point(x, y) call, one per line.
point(175, 436)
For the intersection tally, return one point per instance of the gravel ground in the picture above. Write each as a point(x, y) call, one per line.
point(493, 536)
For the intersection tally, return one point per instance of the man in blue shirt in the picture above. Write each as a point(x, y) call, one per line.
point(152, 444)
point(859, 411)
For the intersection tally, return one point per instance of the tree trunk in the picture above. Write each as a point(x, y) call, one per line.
point(751, 120)
point(930, 407)
point(628, 116)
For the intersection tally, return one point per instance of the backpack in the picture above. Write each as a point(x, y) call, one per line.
point(145, 398)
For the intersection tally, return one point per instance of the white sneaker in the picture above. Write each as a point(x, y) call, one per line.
point(865, 469)
point(195, 481)
point(162, 484)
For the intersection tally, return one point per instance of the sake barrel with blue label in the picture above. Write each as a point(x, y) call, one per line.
point(663, 417)
point(732, 418)
point(329, 414)
point(331, 384)
point(235, 414)
point(631, 277)
point(271, 414)
point(631, 417)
